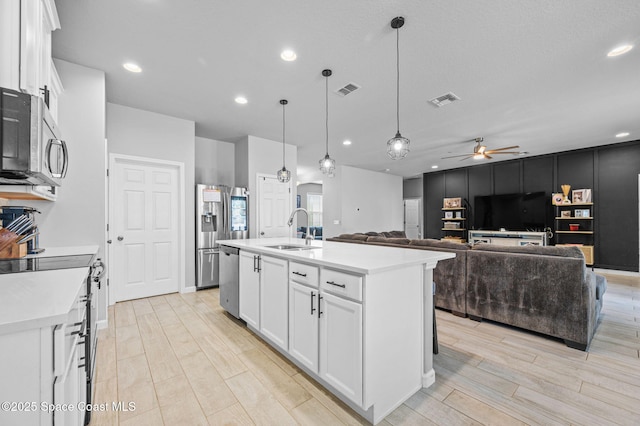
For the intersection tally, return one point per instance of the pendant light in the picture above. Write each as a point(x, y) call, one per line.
point(327, 164)
point(398, 146)
point(283, 174)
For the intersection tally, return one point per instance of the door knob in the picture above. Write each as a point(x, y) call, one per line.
point(120, 238)
point(262, 233)
point(109, 241)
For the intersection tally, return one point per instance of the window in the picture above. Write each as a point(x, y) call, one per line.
point(314, 207)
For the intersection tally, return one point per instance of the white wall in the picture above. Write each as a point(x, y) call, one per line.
point(362, 201)
point(214, 162)
point(255, 156)
point(141, 133)
point(78, 215)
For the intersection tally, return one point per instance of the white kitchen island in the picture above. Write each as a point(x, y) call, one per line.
point(356, 317)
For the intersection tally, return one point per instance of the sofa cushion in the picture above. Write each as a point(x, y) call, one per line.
point(394, 234)
point(398, 241)
point(570, 251)
point(373, 234)
point(437, 244)
point(357, 237)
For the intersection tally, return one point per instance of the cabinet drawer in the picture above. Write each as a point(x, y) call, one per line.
point(341, 283)
point(303, 274)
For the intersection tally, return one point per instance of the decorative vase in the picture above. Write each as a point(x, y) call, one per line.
point(565, 191)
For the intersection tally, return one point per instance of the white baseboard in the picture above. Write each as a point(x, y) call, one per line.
point(185, 290)
point(616, 272)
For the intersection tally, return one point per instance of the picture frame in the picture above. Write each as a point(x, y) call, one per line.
point(448, 215)
point(452, 203)
point(556, 198)
point(566, 213)
point(458, 215)
point(581, 196)
point(583, 213)
point(578, 213)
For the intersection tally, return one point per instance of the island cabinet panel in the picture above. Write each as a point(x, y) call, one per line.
point(341, 345)
point(274, 300)
point(249, 290)
point(303, 324)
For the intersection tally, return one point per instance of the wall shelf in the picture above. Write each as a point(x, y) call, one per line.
point(583, 238)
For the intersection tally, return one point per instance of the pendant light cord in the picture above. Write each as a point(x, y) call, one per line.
point(326, 94)
point(398, 78)
point(283, 136)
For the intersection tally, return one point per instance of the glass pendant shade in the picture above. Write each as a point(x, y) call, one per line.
point(328, 165)
point(284, 175)
point(398, 147)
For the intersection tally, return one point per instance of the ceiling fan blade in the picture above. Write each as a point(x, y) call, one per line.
point(458, 156)
point(503, 152)
point(466, 158)
point(503, 149)
point(488, 156)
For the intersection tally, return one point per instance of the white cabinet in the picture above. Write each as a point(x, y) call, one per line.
point(25, 47)
point(249, 291)
point(303, 325)
point(274, 299)
point(264, 295)
point(341, 345)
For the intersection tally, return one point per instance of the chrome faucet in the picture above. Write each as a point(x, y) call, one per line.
point(308, 238)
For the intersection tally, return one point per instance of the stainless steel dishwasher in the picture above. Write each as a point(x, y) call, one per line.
point(229, 280)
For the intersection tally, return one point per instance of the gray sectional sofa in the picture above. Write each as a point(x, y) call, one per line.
point(548, 290)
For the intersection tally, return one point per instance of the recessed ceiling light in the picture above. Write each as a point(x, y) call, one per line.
point(346, 142)
point(620, 50)
point(241, 100)
point(523, 153)
point(622, 134)
point(130, 66)
point(288, 55)
point(435, 166)
point(387, 170)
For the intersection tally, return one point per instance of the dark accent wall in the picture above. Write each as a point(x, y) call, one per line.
point(611, 171)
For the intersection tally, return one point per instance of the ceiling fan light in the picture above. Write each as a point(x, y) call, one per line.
point(398, 147)
point(478, 156)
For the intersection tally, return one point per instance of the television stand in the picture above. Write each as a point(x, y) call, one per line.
point(508, 238)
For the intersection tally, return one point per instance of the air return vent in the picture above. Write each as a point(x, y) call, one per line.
point(348, 88)
point(445, 99)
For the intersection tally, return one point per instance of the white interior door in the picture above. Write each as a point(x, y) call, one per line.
point(145, 227)
point(412, 218)
point(274, 207)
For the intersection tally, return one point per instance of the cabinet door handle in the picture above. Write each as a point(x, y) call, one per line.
point(319, 310)
point(299, 273)
point(254, 263)
point(312, 308)
point(336, 284)
point(259, 260)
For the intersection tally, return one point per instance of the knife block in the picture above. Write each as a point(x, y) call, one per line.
point(14, 251)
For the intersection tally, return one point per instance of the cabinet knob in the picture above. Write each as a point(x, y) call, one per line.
point(120, 238)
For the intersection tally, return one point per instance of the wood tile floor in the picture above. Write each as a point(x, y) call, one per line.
point(183, 361)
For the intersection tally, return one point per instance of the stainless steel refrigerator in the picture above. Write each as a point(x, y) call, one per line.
point(221, 214)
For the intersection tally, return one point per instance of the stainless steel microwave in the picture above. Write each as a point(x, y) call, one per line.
point(32, 151)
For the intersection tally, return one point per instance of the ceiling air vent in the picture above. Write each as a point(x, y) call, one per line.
point(348, 88)
point(445, 99)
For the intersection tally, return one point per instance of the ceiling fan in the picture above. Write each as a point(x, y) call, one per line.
point(481, 152)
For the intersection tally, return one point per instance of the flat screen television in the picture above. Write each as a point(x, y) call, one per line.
point(513, 212)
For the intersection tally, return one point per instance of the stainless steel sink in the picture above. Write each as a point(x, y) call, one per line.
point(292, 247)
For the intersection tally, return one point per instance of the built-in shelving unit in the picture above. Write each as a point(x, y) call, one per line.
point(574, 227)
point(454, 225)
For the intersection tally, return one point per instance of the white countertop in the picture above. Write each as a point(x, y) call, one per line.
point(359, 258)
point(39, 299)
point(65, 251)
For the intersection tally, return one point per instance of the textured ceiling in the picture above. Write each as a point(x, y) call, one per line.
point(532, 73)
